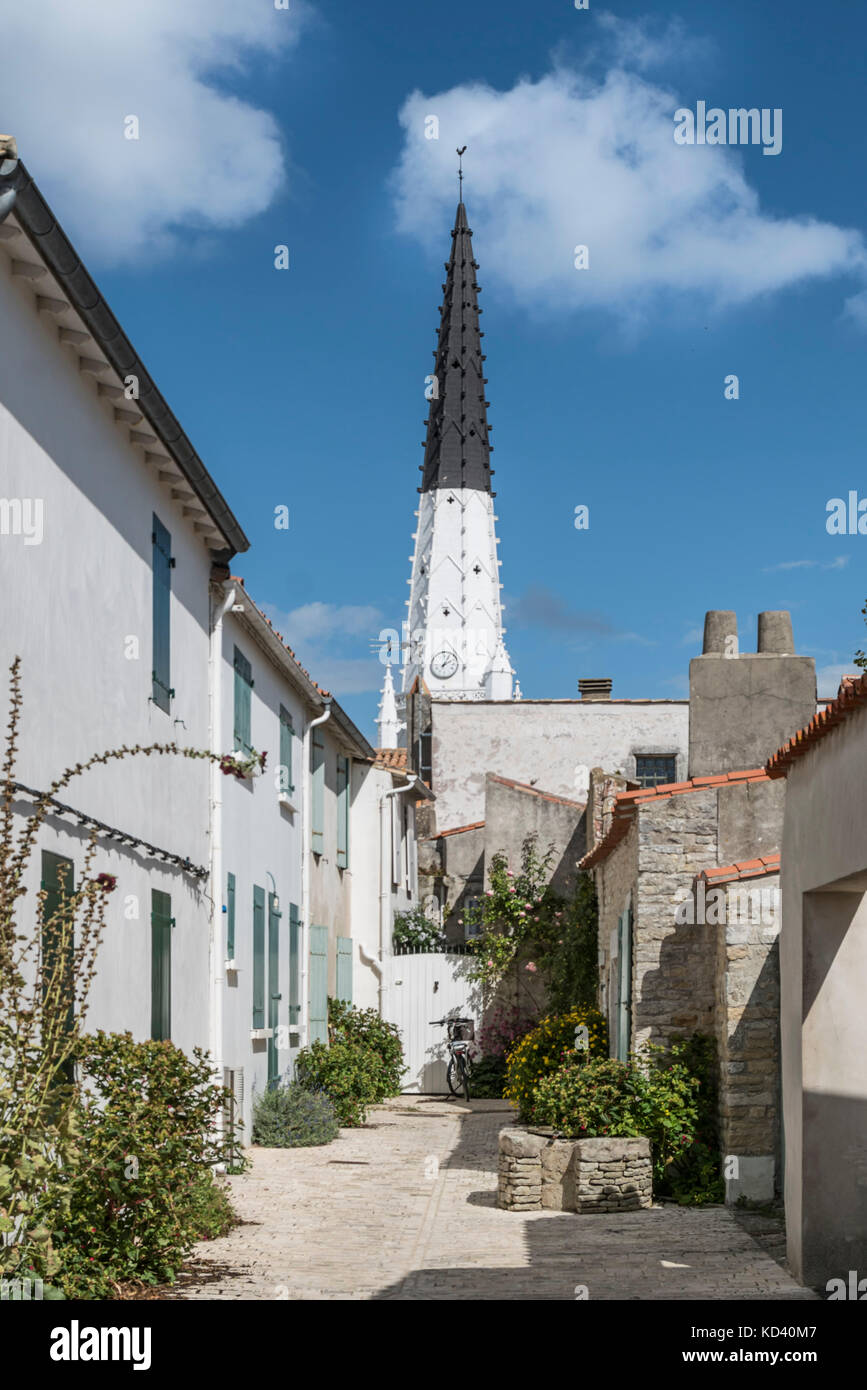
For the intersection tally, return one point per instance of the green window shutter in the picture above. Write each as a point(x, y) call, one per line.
point(161, 965)
point(58, 937)
point(317, 815)
point(294, 965)
point(274, 995)
point(287, 734)
point(624, 984)
point(318, 984)
point(230, 916)
point(243, 687)
point(343, 798)
point(258, 957)
point(162, 563)
point(344, 968)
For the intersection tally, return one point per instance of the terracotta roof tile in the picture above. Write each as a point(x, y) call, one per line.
point(534, 791)
point(745, 868)
point(394, 759)
point(459, 830)
point(851, 695)
point(626, 802)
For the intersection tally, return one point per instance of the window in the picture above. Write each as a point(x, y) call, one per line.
point(425, 770)
point(243, 687)
point(161, 965)
point(294, 966)
point(162, 565)
point(654, 771)
point(230, 917)
point(343, 797)
point(258, 957)
point(287, 733)
point(317, 810)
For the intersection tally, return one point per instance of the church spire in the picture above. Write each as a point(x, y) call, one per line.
point(454, 643)
point(457, 448)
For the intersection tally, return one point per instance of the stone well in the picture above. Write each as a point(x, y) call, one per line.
point(539, 1171)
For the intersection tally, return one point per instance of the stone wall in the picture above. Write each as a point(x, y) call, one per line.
point(538, 1171)
point(747, 1030)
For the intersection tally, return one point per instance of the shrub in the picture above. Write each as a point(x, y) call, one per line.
point(502, 1028)
point(694, 1176)
point(361, 1066)
point(591, 1098)
point(291, 1117)
point(142, 1191)
point(416, 931)
point(570, 958)
point(488, 1078)
point(544, 1049)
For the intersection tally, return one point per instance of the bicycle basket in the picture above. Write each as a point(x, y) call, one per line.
point(462, 1032)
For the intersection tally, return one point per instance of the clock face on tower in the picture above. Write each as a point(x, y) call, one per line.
point(443, 665)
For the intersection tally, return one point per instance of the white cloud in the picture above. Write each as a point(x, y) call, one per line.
point(575, 159)
point(205, 159)
point(839, 564)
point(333, 642)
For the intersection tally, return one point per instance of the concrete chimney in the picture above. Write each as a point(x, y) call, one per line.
point(744, 705)
point(775, 634)
point(595, 689)
point(719, 624)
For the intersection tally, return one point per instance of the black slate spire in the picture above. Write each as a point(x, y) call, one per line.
point(457, 449)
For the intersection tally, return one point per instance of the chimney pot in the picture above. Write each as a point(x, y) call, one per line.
point(775, 633)
point(595, 688)
point(719, 624)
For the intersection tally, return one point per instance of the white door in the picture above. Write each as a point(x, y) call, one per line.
point(416, 989)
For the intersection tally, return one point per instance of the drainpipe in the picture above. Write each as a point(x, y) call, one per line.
point(385, 866)
point(306, 859)
point(217, 953)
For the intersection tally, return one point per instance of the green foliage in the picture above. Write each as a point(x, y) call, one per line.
point(594, 1098)
point(416, 931)
point(504, 1025)
point(291, 1117)
point(694, 1177)
point(512, 915)
point(488, 1078)
point(546, 1047)
point(361, 1066)
point(141, 1192)
point(860, 658)
point(570, 955)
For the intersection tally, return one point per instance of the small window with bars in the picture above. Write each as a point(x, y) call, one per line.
point(652, 770)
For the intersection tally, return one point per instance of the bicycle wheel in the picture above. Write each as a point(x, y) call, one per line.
point(455, 1075)
point(465, 1072)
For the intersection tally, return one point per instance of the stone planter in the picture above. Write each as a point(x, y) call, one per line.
point(537, 1171)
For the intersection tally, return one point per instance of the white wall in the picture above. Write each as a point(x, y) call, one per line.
point(372, 923)
point(74, 606)
point(555, 742)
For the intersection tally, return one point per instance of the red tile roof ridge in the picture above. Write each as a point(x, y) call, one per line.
point(458, 830)
point(744, 868)
point(851, 694)
point(535, 791)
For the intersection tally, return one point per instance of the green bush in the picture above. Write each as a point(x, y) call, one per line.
point(570, 955)
point(589, 1099)
point(543, 1050)
point(694, 1177)
point(142, 1190)
point(291, 1117)
point(361, 1066)
point(488, 1078)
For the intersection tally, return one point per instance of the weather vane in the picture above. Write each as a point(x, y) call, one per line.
point(461, 154)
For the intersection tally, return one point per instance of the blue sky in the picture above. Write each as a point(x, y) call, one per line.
point(306, 387)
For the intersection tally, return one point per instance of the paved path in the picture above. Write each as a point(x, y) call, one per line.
point(405, 1209)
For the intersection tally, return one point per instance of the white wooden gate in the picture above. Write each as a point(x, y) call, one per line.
point(415, 989)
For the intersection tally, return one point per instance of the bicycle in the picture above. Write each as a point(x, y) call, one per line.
point(461, 1033)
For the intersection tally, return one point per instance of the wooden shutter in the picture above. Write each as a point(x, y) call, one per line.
point(258, 957)
point(343, 801)
point(243, 687)
point(161, 965)
point(317, 812)
point(294, 965)
point(287, 734)
point(230, 917)
point(161, 675)
point(58, 938)
point(344, 968)
point(624, 984)
point(274, 995)
point(395, 841)
point(318, 984)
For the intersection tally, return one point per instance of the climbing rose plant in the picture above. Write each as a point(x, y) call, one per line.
point(47, 965)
